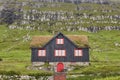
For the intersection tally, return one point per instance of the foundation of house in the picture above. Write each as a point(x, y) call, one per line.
point(53, 65)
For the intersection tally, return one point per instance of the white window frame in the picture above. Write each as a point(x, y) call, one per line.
point(60, 53)
point(41, 53)
point(60, 41)
point(78, 52)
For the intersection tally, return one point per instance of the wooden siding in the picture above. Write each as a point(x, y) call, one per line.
point(68, 46)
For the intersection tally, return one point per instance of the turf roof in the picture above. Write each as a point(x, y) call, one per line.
point(79, 40)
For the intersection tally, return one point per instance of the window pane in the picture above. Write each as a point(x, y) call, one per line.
point(56, 52)
point(60, 52)
point(60, 41)
point(63, 52)
point(41, 53)
point(44, 53)
point(78, 53)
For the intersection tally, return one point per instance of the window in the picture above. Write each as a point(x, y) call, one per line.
point(41, 53)
point(59, 41)
point(60, 53)
point(78, 52)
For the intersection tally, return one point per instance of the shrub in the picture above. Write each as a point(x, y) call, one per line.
point(1, 59)
point(10, 73)
point(38, 75)
point(82, 78)
point(77, 67)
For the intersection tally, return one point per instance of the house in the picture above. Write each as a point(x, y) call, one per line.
point(60, 51)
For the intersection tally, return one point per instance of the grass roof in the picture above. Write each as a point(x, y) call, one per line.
point(79, 40)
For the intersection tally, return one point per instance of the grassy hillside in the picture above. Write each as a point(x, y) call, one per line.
point(15, 51)
point(39, 18)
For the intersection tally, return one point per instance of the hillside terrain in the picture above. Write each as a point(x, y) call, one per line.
point(20, 20)
point(60, 16)
point(15, 53)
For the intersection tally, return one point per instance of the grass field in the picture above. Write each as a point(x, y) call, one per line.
point(15, 53)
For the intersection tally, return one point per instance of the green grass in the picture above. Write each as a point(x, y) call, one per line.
point(110, 78)
point(16, 54)
point(95, 78)
point(14, 51)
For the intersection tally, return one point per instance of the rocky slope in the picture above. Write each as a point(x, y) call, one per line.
point(68, 1)
point(76, 1)
point(47, 15)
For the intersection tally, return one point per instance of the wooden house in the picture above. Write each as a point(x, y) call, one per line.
point(60, 51)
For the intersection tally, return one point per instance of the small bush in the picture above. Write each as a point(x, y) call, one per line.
point(1, 59)
point(10, 73)
point(77, 67)
point(13, 73)
point(38, 75)
point(82, 78)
